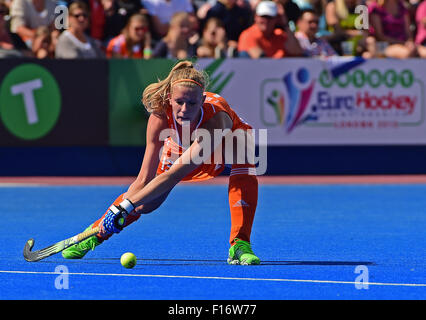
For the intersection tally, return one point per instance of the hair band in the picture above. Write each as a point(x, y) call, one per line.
point(187, 80)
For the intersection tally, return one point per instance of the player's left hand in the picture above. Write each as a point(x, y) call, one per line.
point(114, 220)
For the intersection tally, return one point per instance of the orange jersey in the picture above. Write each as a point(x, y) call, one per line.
point(172, 150)
point(117, 46)
point(273, 47)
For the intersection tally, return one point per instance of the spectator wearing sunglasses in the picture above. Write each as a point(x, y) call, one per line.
point(75, 42)
point(134, 41)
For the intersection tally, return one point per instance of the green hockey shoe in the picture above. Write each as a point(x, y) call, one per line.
point(241, 253)
point(79, 250)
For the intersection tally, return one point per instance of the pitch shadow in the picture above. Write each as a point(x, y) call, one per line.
point(198, 262)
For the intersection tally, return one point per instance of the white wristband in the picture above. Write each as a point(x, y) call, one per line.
point(127, 205)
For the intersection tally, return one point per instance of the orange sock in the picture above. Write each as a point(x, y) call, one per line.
point(130, 218)
point(242, 193)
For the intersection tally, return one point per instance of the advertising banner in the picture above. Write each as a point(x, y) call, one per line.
point(343, 101)
point(53, 103)
point(299, 101)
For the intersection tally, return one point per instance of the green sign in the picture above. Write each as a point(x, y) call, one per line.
point(373, 78)
point(127, 80)
point(30, 101)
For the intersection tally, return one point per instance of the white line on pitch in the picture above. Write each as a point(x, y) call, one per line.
point(217, 278)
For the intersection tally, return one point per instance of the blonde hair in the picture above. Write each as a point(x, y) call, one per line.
point(155, 96)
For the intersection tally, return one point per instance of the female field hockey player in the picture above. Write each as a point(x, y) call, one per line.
point(178, 105)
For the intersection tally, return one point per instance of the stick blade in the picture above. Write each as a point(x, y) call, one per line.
point(34, 256)
point(28, 254)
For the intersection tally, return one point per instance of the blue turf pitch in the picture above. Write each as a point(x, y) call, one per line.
point(311, 239)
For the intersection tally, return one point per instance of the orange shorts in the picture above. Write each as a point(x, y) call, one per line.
point(172, 151)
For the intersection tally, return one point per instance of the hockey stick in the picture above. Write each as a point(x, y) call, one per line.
point(33, 256)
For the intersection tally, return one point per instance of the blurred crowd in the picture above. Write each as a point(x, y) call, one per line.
point(182, 29)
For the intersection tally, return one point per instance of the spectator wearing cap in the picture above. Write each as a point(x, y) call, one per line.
point(264, 39)
point(307, 28)
point(288, 11)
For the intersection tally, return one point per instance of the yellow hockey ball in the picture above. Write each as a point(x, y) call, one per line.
point(128, 260)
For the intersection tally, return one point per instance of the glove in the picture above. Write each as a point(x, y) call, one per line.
point(115, 218)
